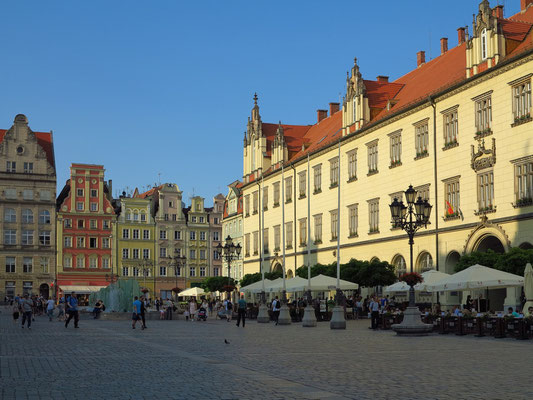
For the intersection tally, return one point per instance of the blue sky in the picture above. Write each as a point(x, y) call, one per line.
point(161, 90)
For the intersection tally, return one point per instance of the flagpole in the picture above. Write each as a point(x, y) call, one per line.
point(337, 319)
point(262, 316)
point(284, 317)
point(309, 319)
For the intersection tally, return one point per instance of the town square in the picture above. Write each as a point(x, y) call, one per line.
point(286, 200)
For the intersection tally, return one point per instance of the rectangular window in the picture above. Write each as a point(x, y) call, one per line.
point(11, 166)
point(45, 195)
point(372, 157)
point(352, 220)
point(93, 224)
point(524, 183)
point(94, 206)
point(203, 235)
point(450, 128)
point(247, 205)
point(105, 243)
point(27, 237)
point(177, 271)
point(105, 263)
point(193, 219)
point(45, 264)
point(94, 193)
point(106, 224)
point(177, 235)
point(162, 234)
point(44, 238)
point(277, 239)
point(202, 219)
point(317, 178)
point(202, 271)
point(67, 223)
point(10, 264)
point(136, 233)
point(146, 234)
point(125, 253)
point(10, 194)
point(216, 255)
point(192, 254)
point(192, 271)
point(93, 262)
point(256, 243)
point(80, 242)
point(303, 231)
point(67, 241)
point(27, 216)
point(28, 168)
point(143, 217)
point(162, 271)
point(79, 192)
point(81, 223)
point(136, 271)
point(373, 215)
point(522, 101)
point(192, 235)
point(302, 183)
point(265, 198)
point(334, 172)
point(318, 228)
point(125, 271)
point(265, 240)
point(216, 236)
point(203, 255)
point(67, 262)
point(421, 138)
point(163, 252)
point(276, 193)
point(288, 235)
point(334, 216)
point(10, 215)
point(216, 271)
point(352, 165)
point(247, 245)
point(79, 206)
point(146, 254)
point(135, 254)
point(255, 202)
point(27, 194)
point(485, 183)
point(125, 233)
point(288, 189)
point(395, 149)
point(10, 236)
point(483, 114)
point(27, 265)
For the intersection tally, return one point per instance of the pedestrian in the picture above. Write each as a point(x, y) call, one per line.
point(192, 308)
point(157, 304)
point(26, 305)
point(136, 315)
point(61, 309)
point(276, 307)
point(72, 310)
point(241, 311)
point(16, 309)
point(228, 307)
point(50, 305)
point(144, 306)
point(374, 312)
point(169, 306)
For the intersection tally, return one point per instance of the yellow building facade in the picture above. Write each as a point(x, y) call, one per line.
point(458, 128)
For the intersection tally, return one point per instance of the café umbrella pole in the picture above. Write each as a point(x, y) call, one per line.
point(284, 317)
point(262, 316)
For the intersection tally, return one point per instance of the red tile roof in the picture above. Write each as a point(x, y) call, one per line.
point(379, 93)
point(293, 135)
point(514, 30)
point(44, 139)
point(149, 192)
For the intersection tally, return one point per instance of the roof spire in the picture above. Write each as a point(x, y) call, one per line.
point(255, 98)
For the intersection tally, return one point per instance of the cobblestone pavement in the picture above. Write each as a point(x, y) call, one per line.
point(189, 360)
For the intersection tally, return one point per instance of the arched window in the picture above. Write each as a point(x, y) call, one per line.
point(484, 44)
point(399, 264)
point(27, 216)
point(135, 216)
point(128, 215)
point(354, 109)
point(10, 215)
point(44, 217)
point(424, 262)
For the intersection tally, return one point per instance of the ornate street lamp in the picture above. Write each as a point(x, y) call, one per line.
point(146, 267)
point(111, 278)
point(229, 252)
point(411, 218)
point(178, 261)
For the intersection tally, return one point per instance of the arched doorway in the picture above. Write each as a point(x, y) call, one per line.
point(277, 268)
point(526, 246)
point(290, 274)
point(424, 262)
point(44, 290)
point(399, 264)
point(490, 242)
point(451, 261)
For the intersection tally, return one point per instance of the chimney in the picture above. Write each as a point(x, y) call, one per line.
point(321, 114)
point(383, 79)
point(461, 35)
point(525, 4)
point(333, 108)
point(498, 12)
point(420, 58)
point(443, 45)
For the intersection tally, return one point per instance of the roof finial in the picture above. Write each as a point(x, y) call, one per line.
point(255, 98)
point(355, 60)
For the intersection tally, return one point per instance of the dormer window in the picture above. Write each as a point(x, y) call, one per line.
point(484, 44)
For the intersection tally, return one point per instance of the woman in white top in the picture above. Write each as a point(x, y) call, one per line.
point(192, 308)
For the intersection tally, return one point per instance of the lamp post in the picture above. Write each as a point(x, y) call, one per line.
point(229, 252)
point(111, 278)
point(178, 262)
point(146, 268)
point(411, 218)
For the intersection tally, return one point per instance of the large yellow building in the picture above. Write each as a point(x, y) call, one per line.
point(458, 128)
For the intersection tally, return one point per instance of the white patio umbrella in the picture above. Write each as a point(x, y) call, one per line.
point(268, 285)
point(256, 285)
point(528, 287)
point(194, 292)
point(295, 283)
point(477, 277)
point(323, 283)
point(430, 277)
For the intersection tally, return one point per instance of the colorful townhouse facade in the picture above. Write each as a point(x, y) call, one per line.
point(457, 128)
point(232, 223)
point(214, 216)
point(85, 231)
point(27, 210)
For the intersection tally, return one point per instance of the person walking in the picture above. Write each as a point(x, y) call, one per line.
point(241, 311)
point(16, 311)
point(192, 308)
point(374, 312)
point(61, 309)
point(136, 315)
point(26, 305)
point(50, 305)
point(169, 306)
point(228, 307)
point(144, 306)
point(276, 307)
point(72, 310)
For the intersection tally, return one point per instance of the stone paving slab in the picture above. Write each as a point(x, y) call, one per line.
point(189, 360)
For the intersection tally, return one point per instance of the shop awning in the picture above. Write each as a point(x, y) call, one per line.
point(80, 289)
